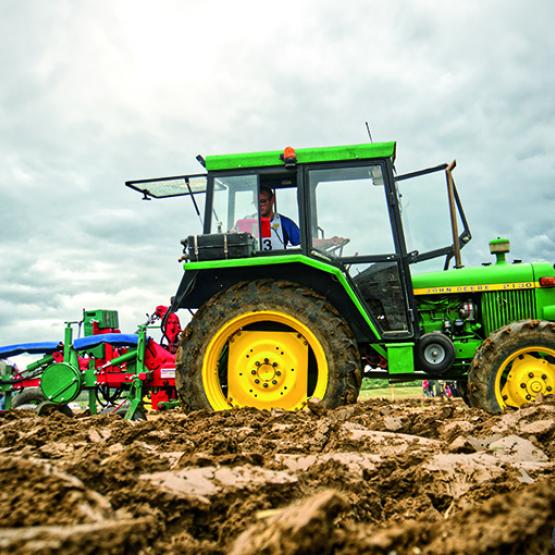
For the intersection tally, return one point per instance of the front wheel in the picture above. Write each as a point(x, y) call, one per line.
point(267, 344)
point(513, 366)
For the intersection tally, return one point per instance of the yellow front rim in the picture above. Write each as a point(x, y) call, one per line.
point(265, 369)
point(524, 375)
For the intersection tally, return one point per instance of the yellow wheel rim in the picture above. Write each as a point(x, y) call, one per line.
point(265, 369)
point(524, 375)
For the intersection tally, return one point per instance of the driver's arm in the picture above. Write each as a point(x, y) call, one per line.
point(291, 231)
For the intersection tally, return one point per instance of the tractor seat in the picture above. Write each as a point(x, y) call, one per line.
point(115, 339)
point(46, 347)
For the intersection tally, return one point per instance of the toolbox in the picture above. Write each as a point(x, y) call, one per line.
point(218, 246)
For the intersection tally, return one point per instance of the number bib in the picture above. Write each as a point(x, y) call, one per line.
point(275, 241)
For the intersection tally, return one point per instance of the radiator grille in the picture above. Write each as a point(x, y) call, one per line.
point(503, 307)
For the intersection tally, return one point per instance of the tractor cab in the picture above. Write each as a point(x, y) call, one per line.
point(337, 206)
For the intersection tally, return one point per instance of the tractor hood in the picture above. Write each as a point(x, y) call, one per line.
point(478, 279)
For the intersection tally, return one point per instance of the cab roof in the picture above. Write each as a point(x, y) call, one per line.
point(366, 151)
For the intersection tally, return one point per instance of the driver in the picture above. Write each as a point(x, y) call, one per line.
point(283, 230)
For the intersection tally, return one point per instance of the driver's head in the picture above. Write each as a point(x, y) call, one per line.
point(266, 202)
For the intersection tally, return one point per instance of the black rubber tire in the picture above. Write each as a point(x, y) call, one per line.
point(335, 336)
point(495, 349)
point(435, 338)
point(29, 396)
point(462, 388)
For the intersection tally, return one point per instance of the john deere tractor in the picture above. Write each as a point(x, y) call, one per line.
point(299, 300)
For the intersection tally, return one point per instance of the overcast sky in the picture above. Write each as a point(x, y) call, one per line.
point(93, 93)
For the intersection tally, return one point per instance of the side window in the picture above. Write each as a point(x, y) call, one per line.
point(424, 199)
point(269, 212)
point(235, 204)
point(349, 211)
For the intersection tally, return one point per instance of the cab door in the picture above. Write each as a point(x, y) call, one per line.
point(352, 222)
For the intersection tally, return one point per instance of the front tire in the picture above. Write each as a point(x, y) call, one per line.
point(513, 366)
point(267, 344)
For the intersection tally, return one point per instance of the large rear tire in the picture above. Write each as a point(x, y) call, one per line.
point(267, 344)
point(513, 366)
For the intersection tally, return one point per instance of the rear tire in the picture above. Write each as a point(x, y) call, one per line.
point(268, 305)
point(513, 365)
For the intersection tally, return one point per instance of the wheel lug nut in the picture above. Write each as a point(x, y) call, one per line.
point(266, 361)
point(505, 397)
point(278, 373)
point(253, 372)
point(544, 377)
point(549, 388)
point(523, 385)
point(256, 381)
point(265, 385)
point(528, 397)
point(257, 363)
point(274, 382)
point(530, 374)
point(274, 364)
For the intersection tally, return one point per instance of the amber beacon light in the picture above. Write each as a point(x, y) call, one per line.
point(289, 157)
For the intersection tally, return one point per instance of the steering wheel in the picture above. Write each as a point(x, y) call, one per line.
point(333, 245)
point(337, 248)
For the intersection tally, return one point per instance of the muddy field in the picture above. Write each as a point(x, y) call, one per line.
point(417, 476)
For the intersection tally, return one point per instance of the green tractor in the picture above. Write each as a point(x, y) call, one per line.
point(308, 276)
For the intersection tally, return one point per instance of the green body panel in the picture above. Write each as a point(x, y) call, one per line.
point(548, 312)
point(288, 259)
point(465, 349)
point(400, 358)
point(458, 281)
point(367, 151)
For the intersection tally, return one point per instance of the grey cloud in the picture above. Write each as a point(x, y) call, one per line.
point(87, 102)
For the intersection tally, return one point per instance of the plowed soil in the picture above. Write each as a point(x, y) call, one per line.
point(416, 476)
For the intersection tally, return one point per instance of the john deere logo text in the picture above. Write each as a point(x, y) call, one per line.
point(480, 288)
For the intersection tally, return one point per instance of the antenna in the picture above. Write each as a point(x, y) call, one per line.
point(368, 129)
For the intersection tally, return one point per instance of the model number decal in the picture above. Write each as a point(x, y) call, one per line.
point(481, 288)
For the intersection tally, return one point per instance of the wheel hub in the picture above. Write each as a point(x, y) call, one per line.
point(434, 353)
point(528, 377)
point(267, 369)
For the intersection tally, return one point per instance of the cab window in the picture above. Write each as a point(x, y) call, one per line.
point(349, 214)
point(266, 206)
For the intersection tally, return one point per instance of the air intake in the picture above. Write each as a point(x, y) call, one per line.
point(500, 308)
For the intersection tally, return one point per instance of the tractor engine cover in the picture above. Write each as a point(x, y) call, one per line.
point(435, 353)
